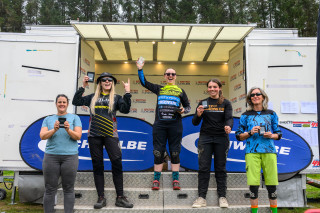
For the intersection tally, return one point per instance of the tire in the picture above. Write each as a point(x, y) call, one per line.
point(3, 194)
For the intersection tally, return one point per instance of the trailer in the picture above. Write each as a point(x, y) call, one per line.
point(48, 60)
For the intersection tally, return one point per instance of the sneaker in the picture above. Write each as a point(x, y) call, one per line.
point(199, 202)
point(102, 202)
point(122, 201)
point(155, 185)
point(223, 203)
point(176, 185)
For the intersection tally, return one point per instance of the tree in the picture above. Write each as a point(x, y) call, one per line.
point(31, 12)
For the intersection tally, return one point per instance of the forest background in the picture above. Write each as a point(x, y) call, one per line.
point(299, 14)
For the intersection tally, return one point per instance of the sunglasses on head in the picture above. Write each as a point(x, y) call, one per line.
point(106, 79)
point(255, 94)
point(168, 74)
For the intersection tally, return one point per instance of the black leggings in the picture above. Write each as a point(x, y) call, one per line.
point(112, 147)
point(219, 147)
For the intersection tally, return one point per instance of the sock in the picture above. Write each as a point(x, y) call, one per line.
point(254, 209)
point(274, 208)
point(157, 175)
point(175, 175)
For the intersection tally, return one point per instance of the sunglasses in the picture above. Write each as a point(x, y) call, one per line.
point(168, 74)
point(106, 79)
point(255, 94)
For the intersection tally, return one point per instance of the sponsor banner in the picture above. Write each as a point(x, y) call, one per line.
point(139, 101)
point(233, 77)
point(135, 139)
point(146, 91)
point(134, 91)
point(236, 64)
point(294, 153)
point(236, 87)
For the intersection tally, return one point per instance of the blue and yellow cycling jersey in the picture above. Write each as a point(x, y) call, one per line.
point(170, 98)
point(257, 143)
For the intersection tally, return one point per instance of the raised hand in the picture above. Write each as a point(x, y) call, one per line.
point(126, 86)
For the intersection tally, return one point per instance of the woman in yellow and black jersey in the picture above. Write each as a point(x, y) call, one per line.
point(172, 101)
point(103, 132)
point(216, 113)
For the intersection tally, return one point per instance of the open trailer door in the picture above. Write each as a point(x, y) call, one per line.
point(34, 69)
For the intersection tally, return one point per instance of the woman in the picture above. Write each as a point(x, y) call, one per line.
point(259, 127)
point(216, 112)
point(61, 154)
point(167, 124)
point(103, 132)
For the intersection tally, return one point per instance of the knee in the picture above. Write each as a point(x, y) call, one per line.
point(116, 164)
point(158, 157)
point(254, 192)
point(175, 159)
point(272, 192)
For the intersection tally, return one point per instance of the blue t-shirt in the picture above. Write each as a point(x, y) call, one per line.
point(257, 143)
point(61, 143)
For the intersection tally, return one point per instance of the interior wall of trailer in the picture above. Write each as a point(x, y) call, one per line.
point(190, 77)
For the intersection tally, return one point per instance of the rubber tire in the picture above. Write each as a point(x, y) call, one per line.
point(3, 194)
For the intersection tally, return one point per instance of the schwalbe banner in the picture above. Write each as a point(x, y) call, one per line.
point(135, 137)
point(293, 152)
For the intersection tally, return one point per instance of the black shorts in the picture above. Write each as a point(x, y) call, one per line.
point(167, 131)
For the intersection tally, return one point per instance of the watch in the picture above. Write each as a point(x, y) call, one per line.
point(249, 133)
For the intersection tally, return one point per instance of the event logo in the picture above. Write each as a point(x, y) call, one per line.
point(240, 73)
point(146, 91)
point(314, 124)
point(163, 82)
point(233, 77)
point(294, 153)
point(235, 64)
point(133, 110)
point(243, 96)
point(147, 110)
point(134, 91)
point(86, 61)
point(136, 82)
point(139, 101)
point(201, 82)
point(84, 109)
point(135, 137)
point(238, 110)
point(236, 87)
point(183, 82)
point(233, 100)
point(316, 163)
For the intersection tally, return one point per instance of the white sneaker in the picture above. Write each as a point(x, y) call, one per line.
point(223, 203)
point(199, 202)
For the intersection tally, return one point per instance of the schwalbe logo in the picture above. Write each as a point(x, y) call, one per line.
point(294, 153)
point(135, 140)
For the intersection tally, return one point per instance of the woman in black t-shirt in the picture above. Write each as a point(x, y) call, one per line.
point(216, 112)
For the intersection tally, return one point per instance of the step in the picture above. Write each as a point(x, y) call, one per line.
point(136, 195)
point(176, 209)
point(186, 197)
point(165, 197)
point(144, 180)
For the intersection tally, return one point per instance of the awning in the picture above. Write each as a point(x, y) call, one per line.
point(205, 43)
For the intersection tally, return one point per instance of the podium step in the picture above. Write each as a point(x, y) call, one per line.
point(144, 180)
point(176, 209)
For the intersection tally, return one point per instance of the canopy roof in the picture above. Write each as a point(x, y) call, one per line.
point(206, 43)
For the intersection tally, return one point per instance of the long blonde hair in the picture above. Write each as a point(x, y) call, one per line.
point(264, 102)
point(97, 95)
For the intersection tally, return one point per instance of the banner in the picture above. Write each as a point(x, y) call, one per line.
point(135, 138)
point(294, 153)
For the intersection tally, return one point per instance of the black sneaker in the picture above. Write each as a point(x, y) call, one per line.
point(122, 201)
point(102, 202)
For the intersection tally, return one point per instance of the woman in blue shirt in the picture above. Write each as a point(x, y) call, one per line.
point(259, 127)
point(61, 154)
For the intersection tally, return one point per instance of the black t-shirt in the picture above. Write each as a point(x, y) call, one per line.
point(215, 118)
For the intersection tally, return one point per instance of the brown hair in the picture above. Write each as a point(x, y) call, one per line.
point(62, 95)
point(217, 81)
